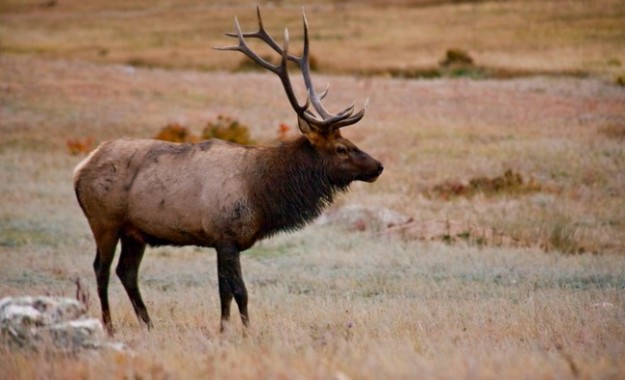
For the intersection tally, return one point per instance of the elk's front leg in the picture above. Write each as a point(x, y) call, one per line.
point(231, 283)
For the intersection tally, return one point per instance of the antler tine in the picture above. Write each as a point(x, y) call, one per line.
point(263, 35)
point(283, 74)
point(243, 48)
point(328, 118)
point(348, 110)
point(304, 63)
point(353, 119)
point(325, 92)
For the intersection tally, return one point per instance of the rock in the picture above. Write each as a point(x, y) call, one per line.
point(361, 218)
point(30, 322)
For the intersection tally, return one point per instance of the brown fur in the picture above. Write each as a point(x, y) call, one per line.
point(211, 194)
point(216, 194)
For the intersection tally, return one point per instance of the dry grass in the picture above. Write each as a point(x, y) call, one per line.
point(501, 300)
point(326, 303)
point(521, 37)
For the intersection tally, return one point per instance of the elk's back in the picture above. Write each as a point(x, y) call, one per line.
point(166, 193)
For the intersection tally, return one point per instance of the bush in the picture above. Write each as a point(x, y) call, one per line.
point(283, 131)
point(456, 57)
point(175, 132)
point(613, 131)
point(509, 182)
point(229, 129)
point(76, 146)
point(458, 63)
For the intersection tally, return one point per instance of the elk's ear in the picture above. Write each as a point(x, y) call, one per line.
point(310, 132)
point(304, 126)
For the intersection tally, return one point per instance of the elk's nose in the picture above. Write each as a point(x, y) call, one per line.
point(380, 168)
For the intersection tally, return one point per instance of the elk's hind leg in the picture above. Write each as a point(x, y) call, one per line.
point(231, 283)
point(106, 241)
point(128, 272)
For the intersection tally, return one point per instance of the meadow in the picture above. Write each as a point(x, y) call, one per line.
point(491, 278)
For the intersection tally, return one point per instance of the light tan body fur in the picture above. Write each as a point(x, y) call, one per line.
point(173, 192)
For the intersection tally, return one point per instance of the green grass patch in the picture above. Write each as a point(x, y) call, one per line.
point(14, 235)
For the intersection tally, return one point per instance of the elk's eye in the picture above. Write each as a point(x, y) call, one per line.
point(341, 149)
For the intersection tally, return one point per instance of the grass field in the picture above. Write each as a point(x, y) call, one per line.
point(578, 37)
point(519, 281)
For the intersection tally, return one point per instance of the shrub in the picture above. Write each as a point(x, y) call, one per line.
point(76, 146)
point(456, 57)
point(458, 63)
point(174, 132)
point(229, 129)
point(508, 182)
point(140, 62)
point(613, 131)
point(451, 188)
point(283, 132)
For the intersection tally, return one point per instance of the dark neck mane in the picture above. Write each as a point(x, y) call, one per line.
point(289, 187)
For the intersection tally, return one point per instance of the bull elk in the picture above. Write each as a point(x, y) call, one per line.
point(214, 193)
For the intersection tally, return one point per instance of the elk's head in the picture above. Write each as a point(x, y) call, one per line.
point(342, 159)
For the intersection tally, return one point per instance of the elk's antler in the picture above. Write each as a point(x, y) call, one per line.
point(325, 121)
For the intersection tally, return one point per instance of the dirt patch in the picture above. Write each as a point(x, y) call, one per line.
point(510, 182)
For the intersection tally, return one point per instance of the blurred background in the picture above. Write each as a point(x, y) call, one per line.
point(411, 38)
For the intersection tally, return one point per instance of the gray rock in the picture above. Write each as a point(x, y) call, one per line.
point(362, 218)
point(33, 322)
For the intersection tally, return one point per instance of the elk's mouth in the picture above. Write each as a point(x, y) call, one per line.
point(368, 178)
point(372, 176)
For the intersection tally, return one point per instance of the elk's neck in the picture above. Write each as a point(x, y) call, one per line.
point(289, 186)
